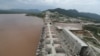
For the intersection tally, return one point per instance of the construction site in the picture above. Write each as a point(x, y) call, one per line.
point(64, 40)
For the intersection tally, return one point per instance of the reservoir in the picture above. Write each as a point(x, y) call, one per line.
point(19, 34)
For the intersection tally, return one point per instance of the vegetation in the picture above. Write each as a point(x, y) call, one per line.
point(41, 15)
point(94, 29)
point(92, 41)
point(76, 14)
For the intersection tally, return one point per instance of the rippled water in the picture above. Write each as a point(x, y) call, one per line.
point(19, 34)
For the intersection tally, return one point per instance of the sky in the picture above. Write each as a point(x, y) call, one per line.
point(92, 6)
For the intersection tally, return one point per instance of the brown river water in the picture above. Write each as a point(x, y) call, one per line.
point(19, 34)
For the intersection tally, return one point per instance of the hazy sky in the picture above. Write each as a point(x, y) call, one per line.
point(81, 5)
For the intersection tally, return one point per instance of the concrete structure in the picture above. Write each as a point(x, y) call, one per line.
point(51, 44)
point(75, 45)
point(70, 26)
point(63, 42)
point(90, 23)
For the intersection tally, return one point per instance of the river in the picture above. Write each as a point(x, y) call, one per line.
point(19, 34)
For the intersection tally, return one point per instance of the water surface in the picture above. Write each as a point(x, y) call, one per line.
point(19, 34)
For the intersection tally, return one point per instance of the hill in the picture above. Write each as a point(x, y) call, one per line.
point(75, 13)
point(11, 11)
